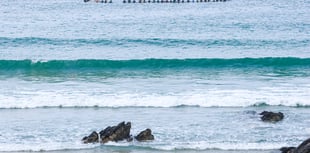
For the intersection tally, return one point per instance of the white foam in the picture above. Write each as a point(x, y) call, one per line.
point(209, 98)
point(46, 146)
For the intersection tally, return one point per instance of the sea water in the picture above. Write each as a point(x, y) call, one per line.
point(197, 74)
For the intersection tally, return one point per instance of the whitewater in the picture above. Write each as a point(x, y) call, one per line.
point(157, 83)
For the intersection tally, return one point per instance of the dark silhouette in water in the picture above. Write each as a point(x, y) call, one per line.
point(92, 138)
point(114, 133)
point(145, 135)
point(117, 133)
point(271, 116)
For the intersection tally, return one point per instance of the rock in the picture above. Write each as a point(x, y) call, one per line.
point(145, 135)
point(288, 149)
point(271, 116)
point(92, 138)
point(304, 147)
point(116, 133)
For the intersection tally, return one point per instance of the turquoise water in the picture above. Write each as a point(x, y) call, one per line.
point(197, 74)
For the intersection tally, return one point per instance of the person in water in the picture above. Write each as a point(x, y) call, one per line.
point(97, 1)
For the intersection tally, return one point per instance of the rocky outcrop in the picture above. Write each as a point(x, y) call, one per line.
point(304, 147)
point(116, 133)
point(271, 116)
point(145, 135)
point(92, 138)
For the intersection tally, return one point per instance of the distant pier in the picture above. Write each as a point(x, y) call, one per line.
point(99, 1)
point(158, 1)
point(172, 1)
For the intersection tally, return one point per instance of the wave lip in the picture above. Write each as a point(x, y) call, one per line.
point(154, 63)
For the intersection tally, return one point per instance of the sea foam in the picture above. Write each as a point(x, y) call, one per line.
point(216, 98)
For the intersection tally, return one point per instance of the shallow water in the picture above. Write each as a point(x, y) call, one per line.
point(178, 128)
point(197, 74)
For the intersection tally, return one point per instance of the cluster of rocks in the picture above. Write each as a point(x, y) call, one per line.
point(117, 133)
point(121, 132)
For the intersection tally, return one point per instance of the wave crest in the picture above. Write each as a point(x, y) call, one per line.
point(280, 62)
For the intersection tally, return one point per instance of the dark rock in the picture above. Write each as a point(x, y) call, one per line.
point(304, 147)
point(288, 149)
point(92, 138)
point(271, 116)
point(145, 135)
point(116, 133)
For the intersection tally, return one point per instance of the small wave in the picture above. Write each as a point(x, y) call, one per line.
point(45, 147)
point(125, 42)
point(90, 64)
point(192, 146)
point(203, 145)
point(261, 104)
point(110, 147)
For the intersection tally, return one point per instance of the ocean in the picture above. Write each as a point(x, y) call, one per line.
point(197, 74)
